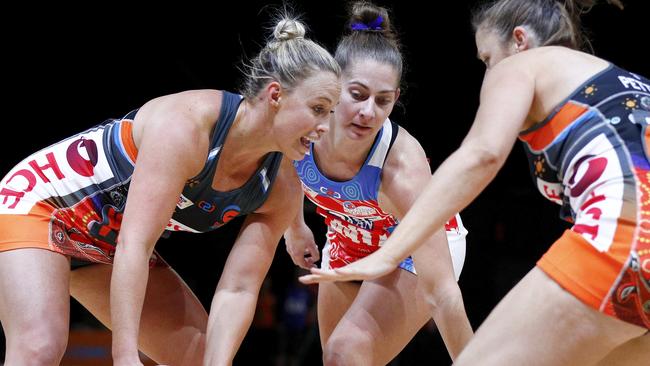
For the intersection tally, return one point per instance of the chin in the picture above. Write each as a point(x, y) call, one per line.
point(295, 154)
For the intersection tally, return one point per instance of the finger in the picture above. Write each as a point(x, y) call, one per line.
point(315, 253)
point(300, 262)
point(311, 262)
point(318, 276)
point(304, 264)
point(311, 279)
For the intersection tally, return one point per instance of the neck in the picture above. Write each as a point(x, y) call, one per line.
point(249, 138)
point(341, 148)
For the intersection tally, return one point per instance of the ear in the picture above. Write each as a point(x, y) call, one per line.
point(274, 92)
point(522, 39)
point(397, 92)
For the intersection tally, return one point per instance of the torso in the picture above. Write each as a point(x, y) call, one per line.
point(350, 207)
point(609, 108)
point(80, 186)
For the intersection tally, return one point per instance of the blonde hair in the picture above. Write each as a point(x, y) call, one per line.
point(287, 58)
point(552, 22)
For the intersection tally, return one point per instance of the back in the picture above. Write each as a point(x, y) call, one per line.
point(558, 71)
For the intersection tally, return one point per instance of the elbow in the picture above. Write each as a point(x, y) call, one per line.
point(483, 157)
point(487, 157)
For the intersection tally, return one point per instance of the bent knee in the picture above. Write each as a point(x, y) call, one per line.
point(37, 346)
point(349, 348)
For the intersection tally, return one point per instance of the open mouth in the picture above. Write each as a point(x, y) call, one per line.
point(305, 142)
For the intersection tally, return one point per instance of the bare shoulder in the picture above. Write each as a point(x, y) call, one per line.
point(181, 122)
point(554, 63)
point(405, 155)
point(406, 171)
point(198, 105)
point(192, 112)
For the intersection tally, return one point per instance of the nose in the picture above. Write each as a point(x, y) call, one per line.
point(323, 125)
point(367, 110)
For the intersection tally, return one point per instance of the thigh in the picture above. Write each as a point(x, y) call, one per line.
point(334, 299)
point(388, 311)
point(173, 322)
point(539, 323)
point(34, 297)
point(634, 352)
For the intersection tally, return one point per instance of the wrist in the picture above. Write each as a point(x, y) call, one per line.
point(124, 354)
point(389, 257)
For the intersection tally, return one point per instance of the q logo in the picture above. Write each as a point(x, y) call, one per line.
point(82, 164)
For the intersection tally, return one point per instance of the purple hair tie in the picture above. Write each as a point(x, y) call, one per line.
point(374, 25)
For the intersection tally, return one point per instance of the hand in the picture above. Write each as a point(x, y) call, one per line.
point(302, 247)
point(373, 266)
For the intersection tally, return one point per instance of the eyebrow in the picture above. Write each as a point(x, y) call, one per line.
point(366, 86)
point(326, 99)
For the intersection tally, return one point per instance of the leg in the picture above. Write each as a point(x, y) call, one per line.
point(173, 323)
point(383, 318)
point(539, 323)
point(334, 299)
point(34, 305)
point(631, 353)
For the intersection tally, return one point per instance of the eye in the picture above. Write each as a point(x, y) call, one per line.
point(356, 95)
point(320, 110)
point(384, 101)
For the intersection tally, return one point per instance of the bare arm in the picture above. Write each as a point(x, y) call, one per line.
point(170, 152)
point(233, 305)
point(506, 98)
point(299, 241)
point(436, 279)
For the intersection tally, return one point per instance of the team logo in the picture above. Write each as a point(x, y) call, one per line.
point(595, 168)
point(206, 206)
point(351, 209)
point(183, 202)
point(82, 156)
point(229, 213)
point(330, 192)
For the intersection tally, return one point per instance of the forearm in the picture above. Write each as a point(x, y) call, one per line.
point(231, 314)
point(451, 320)
point(128, 288)
point(451, 188)
point(298, 222)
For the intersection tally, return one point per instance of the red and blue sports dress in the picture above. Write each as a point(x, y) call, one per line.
point(356, 224)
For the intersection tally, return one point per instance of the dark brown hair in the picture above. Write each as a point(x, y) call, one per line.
point(553, 22)
point(371, 36)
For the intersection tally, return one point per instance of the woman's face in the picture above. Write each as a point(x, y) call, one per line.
point(304, 112)
point(490, 47)
point(370, 90)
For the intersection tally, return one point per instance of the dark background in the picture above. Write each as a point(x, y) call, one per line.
point(67, 69)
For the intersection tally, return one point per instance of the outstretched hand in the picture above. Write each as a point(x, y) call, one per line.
point(368, 268)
